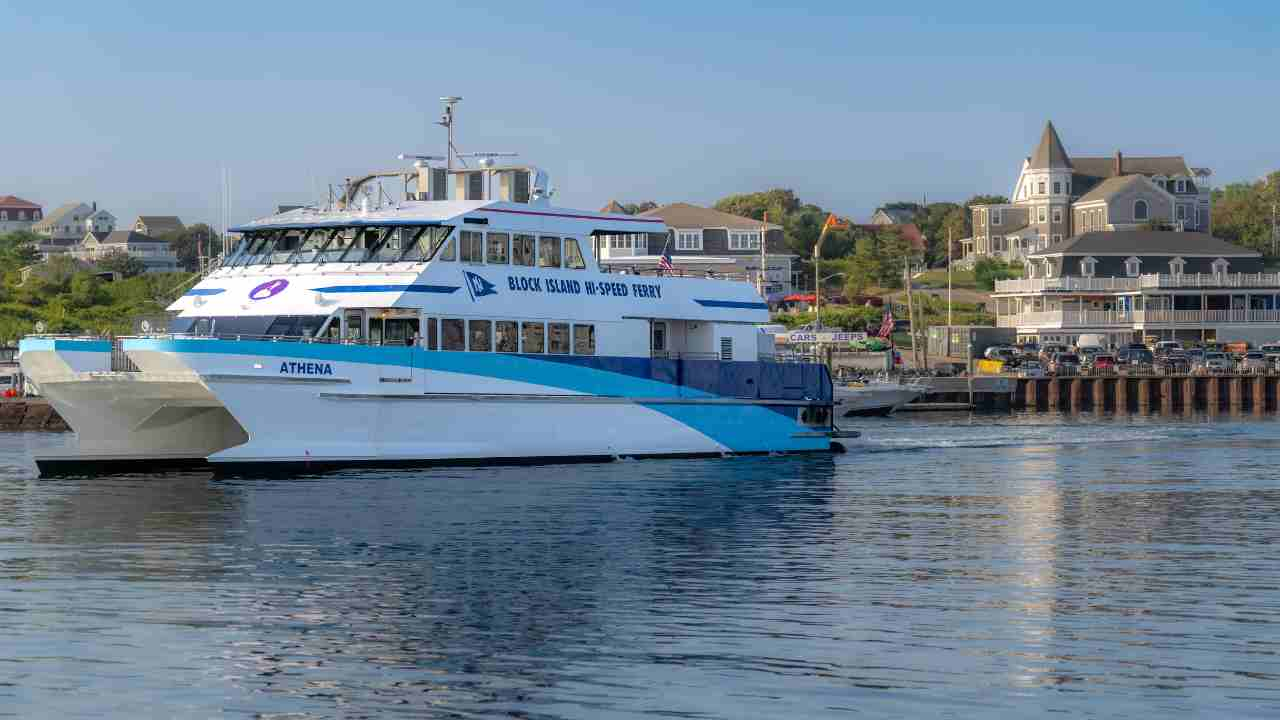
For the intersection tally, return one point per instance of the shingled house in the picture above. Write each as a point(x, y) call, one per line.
point(705, 241)
point(1128, 284)
point(1057, 196)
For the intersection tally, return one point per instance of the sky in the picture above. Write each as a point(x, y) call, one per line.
point(142, 107)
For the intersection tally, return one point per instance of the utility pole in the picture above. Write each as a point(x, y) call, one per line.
point(911, 314)
point(948, 278)
point(1275, 231)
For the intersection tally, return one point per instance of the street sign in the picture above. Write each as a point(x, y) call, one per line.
point(802, 336)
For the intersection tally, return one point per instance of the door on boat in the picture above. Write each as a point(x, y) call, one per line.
point(395, 331)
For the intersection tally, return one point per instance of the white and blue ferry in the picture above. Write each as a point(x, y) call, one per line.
point(428, 331)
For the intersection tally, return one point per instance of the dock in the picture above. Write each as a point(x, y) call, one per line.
point(29, 414)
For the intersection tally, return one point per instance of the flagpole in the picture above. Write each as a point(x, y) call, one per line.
point(817, 290)
point(948, 278)
point(764, 237)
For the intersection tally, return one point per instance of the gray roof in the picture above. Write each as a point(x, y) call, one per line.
point(1049, 153)
point(900, 216)
point(129, 237)
point(55, 216)
point(1104, 167)
point(692, 217)
point(1145, 242)
point(160, 223)
point(1112, 186)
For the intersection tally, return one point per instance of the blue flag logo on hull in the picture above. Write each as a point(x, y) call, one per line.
point(478, 286)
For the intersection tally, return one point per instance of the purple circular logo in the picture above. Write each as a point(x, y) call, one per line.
point(270, 288)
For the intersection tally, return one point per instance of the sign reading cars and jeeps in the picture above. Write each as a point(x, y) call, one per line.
point(802, 336)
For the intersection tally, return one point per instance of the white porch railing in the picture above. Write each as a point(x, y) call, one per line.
point(1150, 281)
point(1136, 318)
point(1209, 280)
point(1067, 284)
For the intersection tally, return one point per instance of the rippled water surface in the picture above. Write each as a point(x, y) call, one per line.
point(947, 567)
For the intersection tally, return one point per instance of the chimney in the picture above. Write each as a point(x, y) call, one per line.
point(1119, 164)
point(95, 206)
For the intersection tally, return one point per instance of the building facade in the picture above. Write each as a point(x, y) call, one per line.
point(157, 225)
point(18, 214)
point(1127, 285)
point(1057, 196)
point(705, 241)
point(155, 254)
point(68, 223)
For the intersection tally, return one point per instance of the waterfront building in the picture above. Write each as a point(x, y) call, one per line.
point(68, 223)
point(1057, 196)
point(157, 225)
point(705, 241)
point(18, 214)
point(1130, 284)
point(155, 254)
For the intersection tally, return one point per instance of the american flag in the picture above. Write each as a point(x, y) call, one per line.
point(664, 261)
point(886, 327)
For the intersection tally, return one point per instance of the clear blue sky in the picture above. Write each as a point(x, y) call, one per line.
point(138, 105)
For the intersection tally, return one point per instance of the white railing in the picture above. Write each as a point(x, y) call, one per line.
point(1131, 318)
point(1210, 280)
point(1067, 284)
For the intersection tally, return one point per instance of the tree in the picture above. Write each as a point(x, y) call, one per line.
point(988, 270)
point(190, 241)
point(119, 261)
point(18, 249)
point(85, 291)
point(779, 203)
point(987, 200)
point(637, 208)
point(1242, 212)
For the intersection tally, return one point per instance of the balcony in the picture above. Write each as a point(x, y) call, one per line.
point(1055, 319)
point(1154, 281)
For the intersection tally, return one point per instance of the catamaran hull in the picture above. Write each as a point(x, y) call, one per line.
point(246, 408)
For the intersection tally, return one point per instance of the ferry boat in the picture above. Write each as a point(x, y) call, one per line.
point(434, 329)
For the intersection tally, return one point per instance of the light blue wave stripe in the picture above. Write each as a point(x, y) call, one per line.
point(442, 289)
point(38, 344)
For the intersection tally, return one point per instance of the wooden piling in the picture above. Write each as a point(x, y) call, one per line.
point(1166, 396)
point(1235, 393)
point(1031, 396)
point(1077, 394)
point(1258, 395)
point(1144, 395)
point(1188, 395)
point(1122, 394)
point(1053, 394)
point(1100, 394)
point(1212, 400)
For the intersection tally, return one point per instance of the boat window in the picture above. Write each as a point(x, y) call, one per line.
point(452, 334)
point(584, 339)
point(506, 339)
point(479, 335)
point(532, 337)
point(333, 331)
point(498, 243)
point(548, 252)
point(311, 246)
point(355, 326)
point(558, 338)
point(397, 331)
point(366, 240)
point(426, 244)
point(339, 245)
point(573, 255)
point(286, 245)
point(470, 247)
point(294, 325)
point(260, 250)
point(522, 250)
point(395, 243)
point(432, 334)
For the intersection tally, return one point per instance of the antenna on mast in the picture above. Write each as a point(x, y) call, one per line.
point(446, 121)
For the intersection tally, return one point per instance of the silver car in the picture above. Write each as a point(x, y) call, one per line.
point(1255, 361)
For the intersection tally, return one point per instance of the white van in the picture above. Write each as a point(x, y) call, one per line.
point(1092, 340)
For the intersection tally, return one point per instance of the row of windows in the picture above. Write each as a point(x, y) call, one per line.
point(510, 336)
point(744, 241)
point(20, 215)
point(627, 242)
point(406, 244)
point(1041, 186)
point(688, 239)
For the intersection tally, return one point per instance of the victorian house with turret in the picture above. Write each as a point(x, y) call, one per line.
point(1057, 196)
point(1120, 248)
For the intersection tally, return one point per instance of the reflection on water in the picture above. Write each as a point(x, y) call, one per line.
point(946, 568)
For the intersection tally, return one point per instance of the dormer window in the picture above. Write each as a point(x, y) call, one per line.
point(1176, 266)
point(1088, 266)
point(1180, 186)
point(1141, 211)
point(1132, 267)
point(995, 217)
point(1220, 267)
point(1057, 188)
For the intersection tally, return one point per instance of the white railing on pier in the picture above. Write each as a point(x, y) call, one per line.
point(1150, 281)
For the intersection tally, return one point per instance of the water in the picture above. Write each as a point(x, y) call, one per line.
point(1000, 567)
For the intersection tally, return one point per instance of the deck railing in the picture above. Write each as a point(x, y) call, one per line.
point(1119, 318)
point(1153, 281)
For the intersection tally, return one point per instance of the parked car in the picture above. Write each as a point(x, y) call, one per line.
point(1172, 363)
point(1064, 363)
point(1048, 350)
point(1216, 362)
point(1255, 361)
point(1088, 351)
point(1165, 346)
point(1195, 355)
point(1099, 363)
point(1031, 369)
point(1135, 359)
point(1270, 349)
point(1007, 354)
point(1030, 350)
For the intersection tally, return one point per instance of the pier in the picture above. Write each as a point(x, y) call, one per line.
point(1150, 394)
